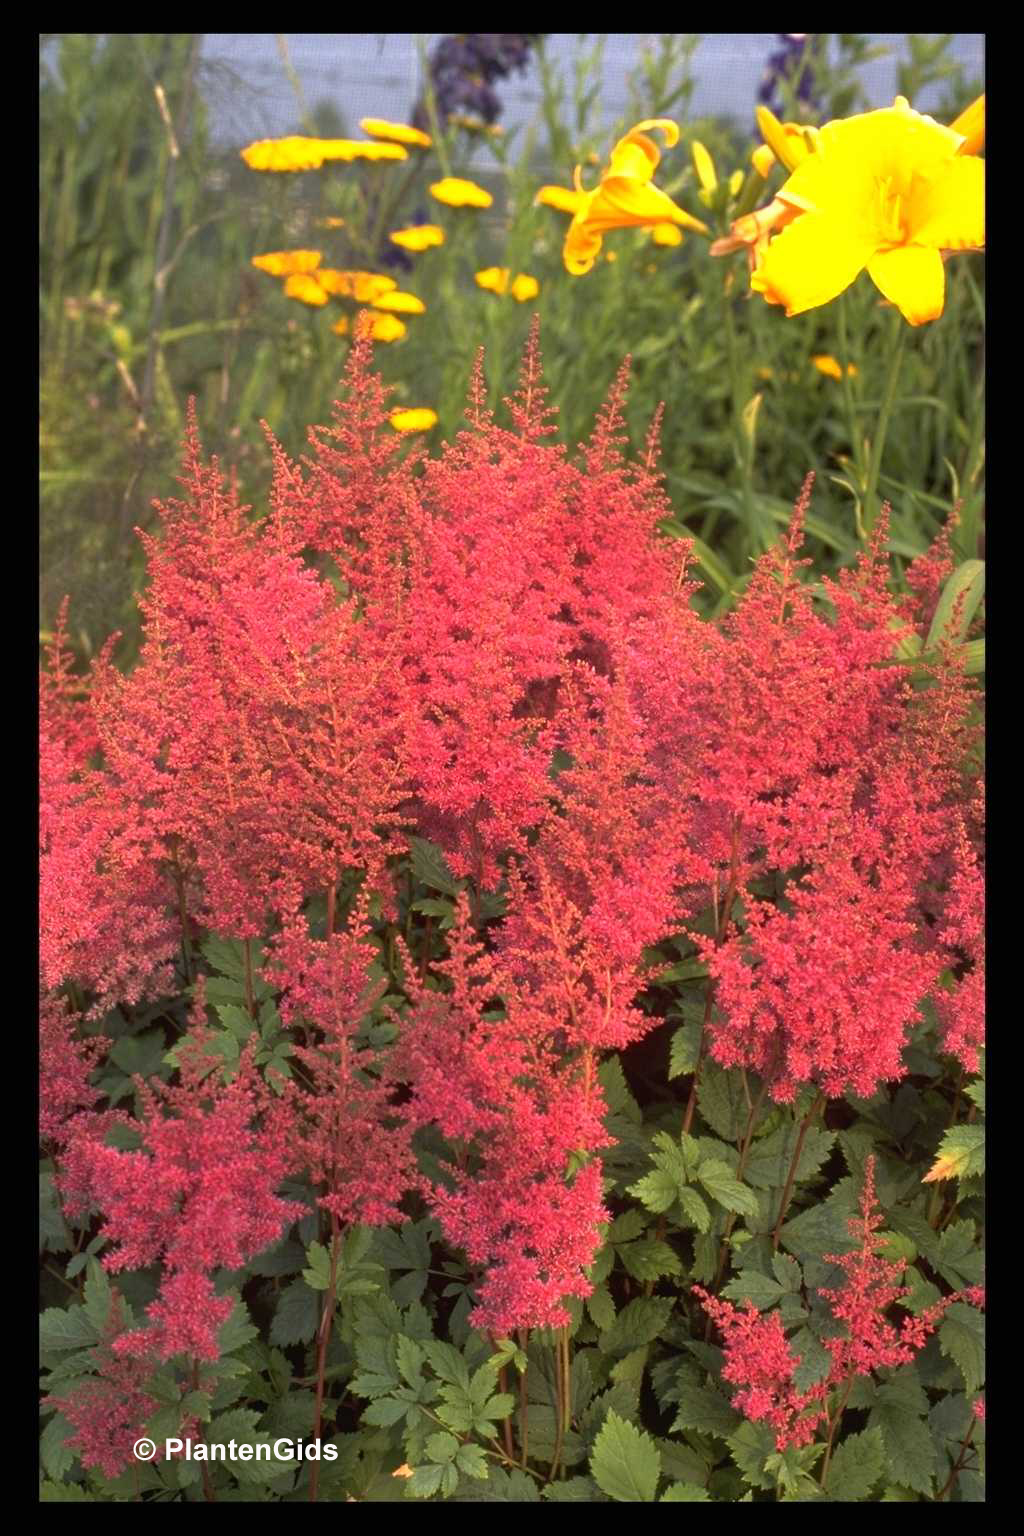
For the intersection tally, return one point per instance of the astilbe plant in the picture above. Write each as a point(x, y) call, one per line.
point(758, 1358)
point(198, 1195)
point(831, 803)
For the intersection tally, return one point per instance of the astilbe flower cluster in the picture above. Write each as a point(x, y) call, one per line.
point(758, 1358)
point(109, 1408)
point(834, 781)
point(511, 668)
point(66, 1060)
point(198, 1195)
point(347, 1131)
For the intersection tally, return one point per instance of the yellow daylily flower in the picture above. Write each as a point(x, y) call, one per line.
point(667, 234)
point(285, 263)
point(420, 419)
point(624, 197)
point(418, 237)
point(379, 128)
point(762, 159)
point(400, 303)
point(304, 286)
point(563, 198)
point(885, 190)
point(458, 193)
point(790, 142)
point(831, 368)
point(971, 123)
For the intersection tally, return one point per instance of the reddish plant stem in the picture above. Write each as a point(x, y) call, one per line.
point(523, 1336)
point(323, 1339)
point(721, 929)
point(833, 1426)
point(811, 1115)
point(208, 1491)
point(958, 1465)
point(250, 1001)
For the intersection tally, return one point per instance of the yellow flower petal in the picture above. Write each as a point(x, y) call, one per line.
point(306, 288)
point(524, 288)
point(458, 193)
point(971, 123)
point(400, 303)
point(420, 419)
point(704, 166)
point(562, 198)
point(784, 139)
point(809, 263)
point(622, 200)
point(736, 181)
point(418, 237)
point(492, 279)
point(379, 327)
point(947, 212)
point(361, 149)
point(284, 263)
point(667, 234)
point(762, 159)
point(913, 279)
point(379, 128)
point(294, 153)
point(831, 368)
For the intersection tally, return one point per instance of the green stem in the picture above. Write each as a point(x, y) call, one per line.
point(869, 508)
point(843, 339)
point(743, 445)
point(326, 1319)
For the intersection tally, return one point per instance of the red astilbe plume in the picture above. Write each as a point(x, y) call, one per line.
point(527, 1224)
point(831, 775)
point(105, 922)
point(354, 500)
point(758, 1357)
point(66, 1060)
point(108, 1410)
point(347, 1131)
point(63, 697)
point(961, 1009)
point(197, 1196)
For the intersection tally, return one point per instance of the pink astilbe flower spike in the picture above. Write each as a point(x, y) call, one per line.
point(347, 1131)
point(757, 1355)
point(108, 1409)
point(66, 1059)
point(200, 1193)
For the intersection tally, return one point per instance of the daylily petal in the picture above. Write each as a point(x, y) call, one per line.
point(948, 211)
point(913, 279)
point(971, 123)
point(581, 249)
point(704, 166)
point(562, 198)
point(810, 262)
point(623, 200)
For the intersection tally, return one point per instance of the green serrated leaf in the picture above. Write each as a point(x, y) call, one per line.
point(640, 1322)
point(857, 1465)
point(727, 1190)
point(962, 1338)
point(625, 1463)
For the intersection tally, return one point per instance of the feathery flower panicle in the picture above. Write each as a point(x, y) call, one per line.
point(198, 1195)
point(757, 1354)
point(347, 1132)
point(108, 1409)
point(830, 771)
point(66, 1060)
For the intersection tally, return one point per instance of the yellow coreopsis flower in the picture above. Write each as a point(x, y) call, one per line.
point(420, 419)
point(624, 197)
point(458, 193)
point(304, 286)
point(400, 303)
point(378, 128)
point(418, 237)
point(886, 191)
point(377, 327)
point(492, 279)
point(524, 287)
point(285, 263)
point(364, 287)
point(830, 366)
point(565, 199)
point(296, 153)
